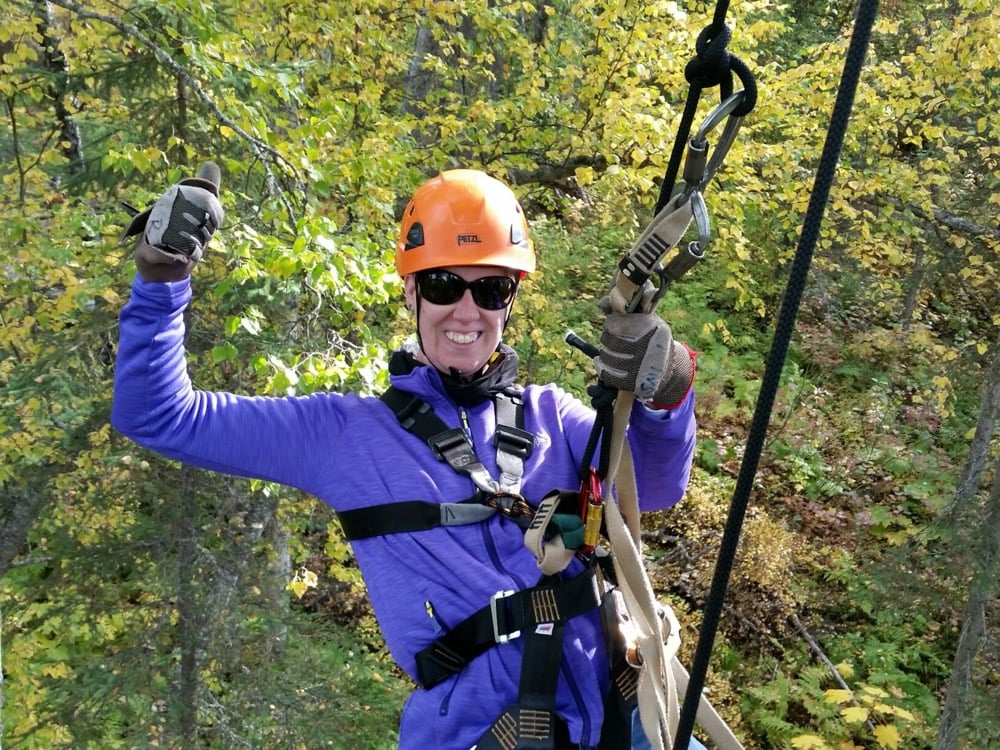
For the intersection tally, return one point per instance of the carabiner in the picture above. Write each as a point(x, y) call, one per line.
point(698, 168)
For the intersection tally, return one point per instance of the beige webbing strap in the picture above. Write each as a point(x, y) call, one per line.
point(660, 671)
point(551, 556)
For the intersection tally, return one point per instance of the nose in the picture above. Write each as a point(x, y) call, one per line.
point(466, 308)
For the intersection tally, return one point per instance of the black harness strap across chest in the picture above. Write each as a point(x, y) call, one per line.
point(452, 445)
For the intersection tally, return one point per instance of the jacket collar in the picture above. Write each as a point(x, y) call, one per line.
point(407, 374)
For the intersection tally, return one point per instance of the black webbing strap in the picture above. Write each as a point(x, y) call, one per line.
point(531, 723)
point(623, 695)
point(513, 446)
point(454, 446)
point(508, 614)
point(410, 516)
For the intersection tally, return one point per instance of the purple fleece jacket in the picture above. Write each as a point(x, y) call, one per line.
point(349, 451)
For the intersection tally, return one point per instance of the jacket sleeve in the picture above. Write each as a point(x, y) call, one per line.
point(155, 404)
point(662, 443)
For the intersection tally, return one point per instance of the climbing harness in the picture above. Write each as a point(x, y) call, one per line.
point(539, 613)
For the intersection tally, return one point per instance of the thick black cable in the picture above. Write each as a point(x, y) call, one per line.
point(785, 325)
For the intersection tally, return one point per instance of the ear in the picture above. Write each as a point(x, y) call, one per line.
point(410, 291)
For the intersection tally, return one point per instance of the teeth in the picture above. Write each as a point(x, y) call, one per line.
point(461, 338)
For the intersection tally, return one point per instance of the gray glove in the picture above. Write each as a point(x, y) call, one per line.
point(639, 355)
point(176, 229)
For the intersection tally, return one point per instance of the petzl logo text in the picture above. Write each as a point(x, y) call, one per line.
point(468, 239)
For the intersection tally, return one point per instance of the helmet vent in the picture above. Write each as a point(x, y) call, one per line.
point(415, 237)
point(517, 235)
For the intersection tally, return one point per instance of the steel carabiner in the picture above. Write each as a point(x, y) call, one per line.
point(699, 169)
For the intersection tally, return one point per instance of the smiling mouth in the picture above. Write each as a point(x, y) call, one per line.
point(461, 338)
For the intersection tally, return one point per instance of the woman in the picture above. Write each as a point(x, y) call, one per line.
point(453, 589)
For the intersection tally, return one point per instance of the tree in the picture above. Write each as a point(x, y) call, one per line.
point(983, 557)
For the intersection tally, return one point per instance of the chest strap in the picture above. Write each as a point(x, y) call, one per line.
point(452, 445)
point(410, 516)
point(506, 617)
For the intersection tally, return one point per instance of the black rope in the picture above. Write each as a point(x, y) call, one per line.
point(772, 372)
point(602, 399)
point(713, 65)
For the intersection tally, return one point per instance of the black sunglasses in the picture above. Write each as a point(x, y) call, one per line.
point(445, 288)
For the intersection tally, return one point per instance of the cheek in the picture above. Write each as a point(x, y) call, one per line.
point(428, 320)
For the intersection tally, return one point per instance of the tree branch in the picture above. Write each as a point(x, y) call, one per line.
point(260, 149)
point(821, 655)
point(951, 221)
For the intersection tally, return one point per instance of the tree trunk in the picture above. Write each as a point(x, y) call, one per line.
point(985, 558)
point(21, 506)
point(191, 617)
point(912, 292)
point(419, 79)
point(55, 62)
point(981, 591)
point(979, 449)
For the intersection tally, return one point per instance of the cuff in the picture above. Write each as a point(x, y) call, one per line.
point(685, 366)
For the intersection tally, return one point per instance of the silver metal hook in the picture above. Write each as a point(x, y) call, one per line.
point(698, 168)
point(717, 115)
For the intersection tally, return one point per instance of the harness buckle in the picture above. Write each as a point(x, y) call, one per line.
point(515, 441)
point(498, 613)
point(509, 504)
point(453, 446)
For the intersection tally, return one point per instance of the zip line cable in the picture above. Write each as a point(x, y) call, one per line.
point(785, 325)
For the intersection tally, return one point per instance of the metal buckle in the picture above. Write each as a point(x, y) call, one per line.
point(509, 504)
point(495, 613)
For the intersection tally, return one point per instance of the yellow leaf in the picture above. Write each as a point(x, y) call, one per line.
point(845, 670)
point(854, 714)
point(298, 587)
point(809, 742)
point(887, 736)
point(60, 669)
point(838, 696)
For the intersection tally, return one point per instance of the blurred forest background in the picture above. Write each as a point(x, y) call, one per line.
point(149, 605)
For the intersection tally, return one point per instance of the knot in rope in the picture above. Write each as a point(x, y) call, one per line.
point(714, 65)
point(711, 64)
point(601, 396)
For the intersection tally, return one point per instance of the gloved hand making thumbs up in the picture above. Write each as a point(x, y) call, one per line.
point(177, 227)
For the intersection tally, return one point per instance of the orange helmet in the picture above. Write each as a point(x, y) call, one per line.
point(463, 217)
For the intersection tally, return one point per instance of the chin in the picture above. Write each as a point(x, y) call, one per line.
point(467, 370)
